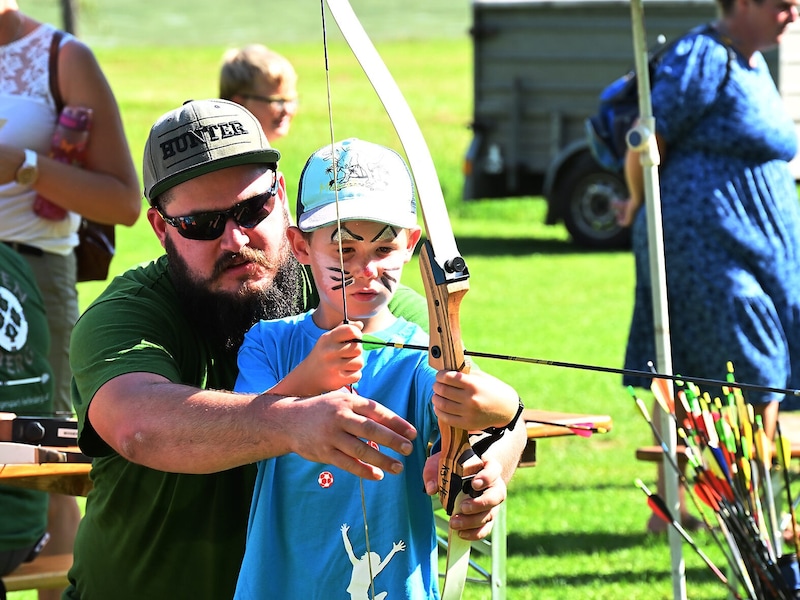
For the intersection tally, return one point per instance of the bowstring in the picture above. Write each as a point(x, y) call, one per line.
point(334, 164)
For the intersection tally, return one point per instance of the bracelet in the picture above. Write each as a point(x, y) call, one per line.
point(510, 426)
point(493, 434)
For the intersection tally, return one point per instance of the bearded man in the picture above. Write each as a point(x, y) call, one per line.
point(174, 452)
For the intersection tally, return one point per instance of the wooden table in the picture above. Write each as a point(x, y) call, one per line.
point(58, 478)
point(537, 430)
point(73, 478)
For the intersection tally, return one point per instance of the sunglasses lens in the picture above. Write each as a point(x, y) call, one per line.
point(203, 226)
point(251, 212)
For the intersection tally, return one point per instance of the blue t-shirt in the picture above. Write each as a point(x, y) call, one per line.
point(306, 537)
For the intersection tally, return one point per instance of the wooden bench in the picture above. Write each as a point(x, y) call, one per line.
point(44, 572)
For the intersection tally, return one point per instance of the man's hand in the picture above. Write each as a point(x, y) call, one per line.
point(331, 428)
point(473, 519)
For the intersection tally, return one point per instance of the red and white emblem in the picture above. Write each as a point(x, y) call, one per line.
point(373, 445)
point(325, 479)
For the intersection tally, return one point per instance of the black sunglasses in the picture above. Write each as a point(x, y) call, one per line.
point(210, 225)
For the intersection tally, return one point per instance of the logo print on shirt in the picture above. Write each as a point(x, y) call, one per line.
point(13, 325)
point(325, 479)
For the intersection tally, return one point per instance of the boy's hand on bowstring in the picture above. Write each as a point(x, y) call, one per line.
point(474, 400)
point(336, 362)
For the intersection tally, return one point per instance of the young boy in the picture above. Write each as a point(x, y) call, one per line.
point(306, 536)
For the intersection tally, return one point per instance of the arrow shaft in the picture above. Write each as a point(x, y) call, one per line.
point(575, 426)
point(596, 368)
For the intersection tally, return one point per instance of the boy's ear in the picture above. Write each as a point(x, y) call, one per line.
point(299, 244)
point(414, 236)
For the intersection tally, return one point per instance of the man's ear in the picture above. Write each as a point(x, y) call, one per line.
point(158, 224)
point(299, 243)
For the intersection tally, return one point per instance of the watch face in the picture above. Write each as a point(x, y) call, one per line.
point(27, 175)
point(29, 171)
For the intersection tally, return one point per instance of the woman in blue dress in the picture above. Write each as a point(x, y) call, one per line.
point(730, 210)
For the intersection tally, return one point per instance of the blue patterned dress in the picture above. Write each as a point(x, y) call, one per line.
point(731, 223)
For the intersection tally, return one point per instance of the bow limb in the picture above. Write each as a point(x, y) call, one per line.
point(445, 275)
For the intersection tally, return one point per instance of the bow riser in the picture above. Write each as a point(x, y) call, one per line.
point(447, 353)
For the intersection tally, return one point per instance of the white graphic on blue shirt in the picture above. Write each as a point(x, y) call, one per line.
point(363, 575)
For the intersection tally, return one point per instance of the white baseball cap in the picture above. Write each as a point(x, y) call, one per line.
point(371, 183)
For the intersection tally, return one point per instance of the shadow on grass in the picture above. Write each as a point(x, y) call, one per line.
point(572, 543)
point(581, 487)
point(473, 246)
point(485, 246)
point(628, 576)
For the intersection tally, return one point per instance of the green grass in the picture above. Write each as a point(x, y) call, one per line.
point(576, 520)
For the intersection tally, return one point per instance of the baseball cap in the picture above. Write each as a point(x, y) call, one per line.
point(372, 183)
point(200, 137)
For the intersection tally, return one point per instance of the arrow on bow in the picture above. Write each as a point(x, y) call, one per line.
point(659, 393)
point(444, 272)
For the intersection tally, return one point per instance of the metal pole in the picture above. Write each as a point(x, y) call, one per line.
point(69, 16)
point(643, 140)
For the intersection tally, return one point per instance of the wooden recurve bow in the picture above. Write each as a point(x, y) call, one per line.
point(445, 277)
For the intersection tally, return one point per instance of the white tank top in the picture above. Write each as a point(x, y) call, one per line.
point(27, 120)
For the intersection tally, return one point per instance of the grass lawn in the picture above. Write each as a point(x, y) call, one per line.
point(576, 521)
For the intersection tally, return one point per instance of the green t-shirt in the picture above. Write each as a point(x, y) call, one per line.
point(24, 345)
point(147, 533)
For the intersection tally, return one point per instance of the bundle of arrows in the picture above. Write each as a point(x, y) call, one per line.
point(730, 468)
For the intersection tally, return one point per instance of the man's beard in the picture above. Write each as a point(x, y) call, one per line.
point(225, 317)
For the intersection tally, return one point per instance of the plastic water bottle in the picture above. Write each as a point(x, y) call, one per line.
point(68, 145)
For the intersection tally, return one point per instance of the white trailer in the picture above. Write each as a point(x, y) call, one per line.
point(539, 67)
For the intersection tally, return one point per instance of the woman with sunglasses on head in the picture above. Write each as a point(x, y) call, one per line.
point(265, 83)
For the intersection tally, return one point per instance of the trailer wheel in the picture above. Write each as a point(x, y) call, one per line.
point(584, 195)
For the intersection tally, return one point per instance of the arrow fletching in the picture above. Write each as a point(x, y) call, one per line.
point(656, 504)
point(663, 396)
